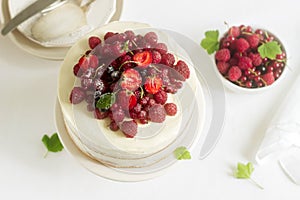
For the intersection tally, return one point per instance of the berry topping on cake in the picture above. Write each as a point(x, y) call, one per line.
point(126, 77)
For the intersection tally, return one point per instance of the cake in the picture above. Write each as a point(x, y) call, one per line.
point(153, 141)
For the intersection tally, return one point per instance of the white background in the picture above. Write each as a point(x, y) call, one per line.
point(27, 98)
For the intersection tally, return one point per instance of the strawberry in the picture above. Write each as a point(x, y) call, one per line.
point(126, 100)
point(143, 59)
point(131, 80)
point(153, 84)
point(83, 62)
point(88, 61)
point(93, 61)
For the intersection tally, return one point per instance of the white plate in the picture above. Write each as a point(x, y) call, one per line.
point(214, 119)
point(52, 53)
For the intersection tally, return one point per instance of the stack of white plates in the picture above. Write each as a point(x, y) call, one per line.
point(99, 13)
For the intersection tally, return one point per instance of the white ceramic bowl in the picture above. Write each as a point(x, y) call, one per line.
point(239, 89)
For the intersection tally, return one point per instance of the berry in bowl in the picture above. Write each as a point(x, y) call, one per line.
point(128, 97)
point(246, 59)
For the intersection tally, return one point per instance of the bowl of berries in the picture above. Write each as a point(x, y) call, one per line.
point(130, 96)
point(247, 59)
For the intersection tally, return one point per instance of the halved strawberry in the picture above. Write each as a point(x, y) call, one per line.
point(143, 59)
point(88, 61)
point(126, 99)
point(131, 79)
point(153, 84)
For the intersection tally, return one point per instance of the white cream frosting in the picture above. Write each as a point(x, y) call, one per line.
point(93, 136)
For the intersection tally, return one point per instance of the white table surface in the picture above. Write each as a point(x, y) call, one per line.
point(28, 93)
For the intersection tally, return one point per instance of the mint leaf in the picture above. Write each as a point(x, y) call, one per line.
point(181, 153)
point(106, 100)
point(52, 143)
point(244, 172)
point(269, 50)
point(210, 43)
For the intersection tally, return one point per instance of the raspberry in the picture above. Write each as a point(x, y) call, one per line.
point(178, 85)
point(118, 115)
point(94, 41)
point(144, 101)
point(142, 115)
point(160, 97)
point(77, 95)
point(157, 113)
point(108, 35)
point(245, 63)
point(241, 45)
point(151, 102)
point(129, 128)
point(182, 68)
point(269, 78)
point(129, 34)
point(223, 67)
point(223, 55)
point(234, 31)
point(100, 115)
point(167, 59)
point(256, 59)
point(161, 48)
point(233, 61)
point(143, 121)
point(137, 108)
point(113, 126)
point(77, 71)
point(151, 38)
point(114, 107)
point(156, 57)
point(253, 40)
point(171, 109)
point(234, 73)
